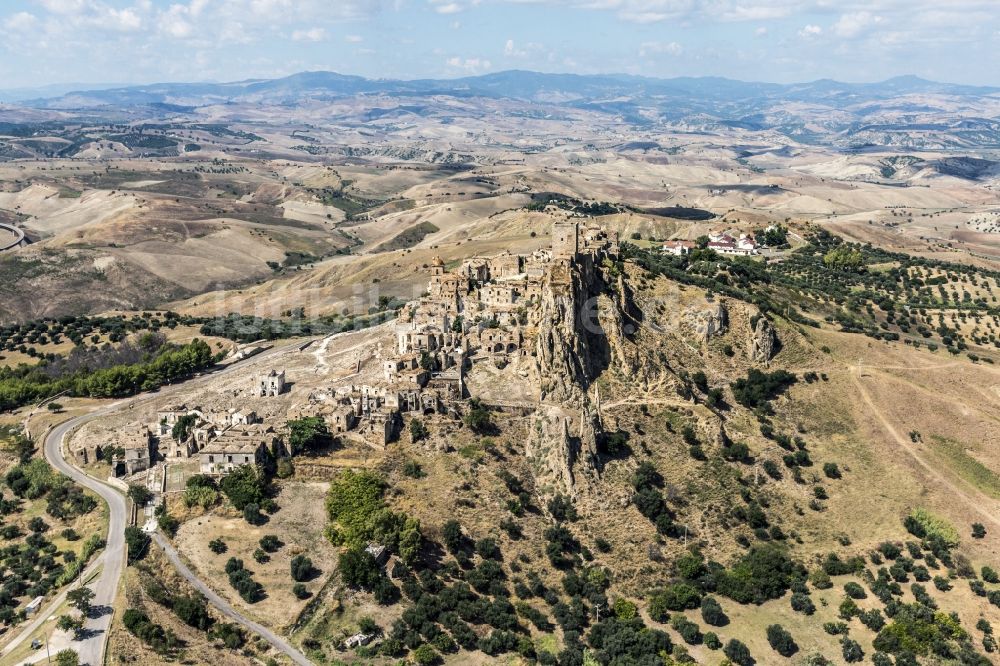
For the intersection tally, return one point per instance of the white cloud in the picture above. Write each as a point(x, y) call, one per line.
point(271, 8)
point(853, 24)
point(21, 22)
point(761, 31)
point(533, 50)
point(63, 6)
point(197, 7)
point(354, 39)
point(94, 15)
point(211, 21)
point(655, 11)
point(810, 31)
point(756, 13)
point(125, 20)
point(660, 48)
point(471, 65)
point(234, 33)
point(454, 7)
point(174, 22)
point(310, 35)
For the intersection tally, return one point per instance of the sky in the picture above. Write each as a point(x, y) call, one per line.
point(145, 41)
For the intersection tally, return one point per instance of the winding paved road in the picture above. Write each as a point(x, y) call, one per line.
point(91, 647)
point(18, 237)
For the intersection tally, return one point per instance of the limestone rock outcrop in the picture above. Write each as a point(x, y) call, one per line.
point(552, 451)
point(562, 354)
point(709, 322)
point(763, 342)
point(582, 326)
point(586, 317)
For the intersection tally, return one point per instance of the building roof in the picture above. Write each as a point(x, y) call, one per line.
point(240, 439)
point(229, 448)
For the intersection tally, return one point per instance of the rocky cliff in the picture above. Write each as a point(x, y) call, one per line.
point(708, 322)
point(585, 317)
point(763, 342)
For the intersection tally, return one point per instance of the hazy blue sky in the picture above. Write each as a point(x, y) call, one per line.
point(59, 41)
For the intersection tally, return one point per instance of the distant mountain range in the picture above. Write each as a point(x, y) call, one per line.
point(516, 84)
point(15, 95)
point(903, 111)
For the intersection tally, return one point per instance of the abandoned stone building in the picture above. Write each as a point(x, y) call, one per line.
point(240, 445)
point(271, 384)
point(497, 340)
point(448, 289)
point(202, 428)
point(135, 451)
point(166, 419)
point(405, 369)
point(137, 443)
point(429, 335)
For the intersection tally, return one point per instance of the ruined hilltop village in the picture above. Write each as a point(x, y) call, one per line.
point(529, 318)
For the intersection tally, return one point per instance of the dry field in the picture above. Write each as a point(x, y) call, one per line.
point(298, 524)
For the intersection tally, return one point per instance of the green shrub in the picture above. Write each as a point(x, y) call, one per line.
point(765, 572)
point(802, 603)
point(302, 568)
point(738, 653)
point(759, 388)
point(137, 543)
point(781, 641)
point(934, 526)
point(712, 613)
point(854, 591)
point(247, 484)
point(678, 597)
point(851, 650)
point(308, 434)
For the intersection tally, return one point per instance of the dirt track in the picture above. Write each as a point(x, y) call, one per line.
point(974, 500)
